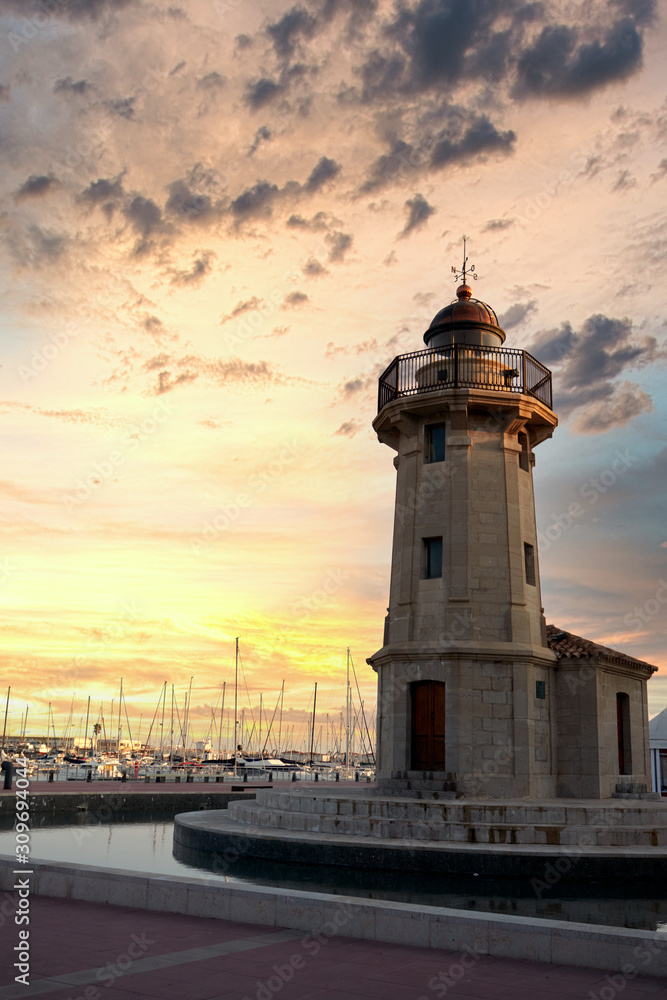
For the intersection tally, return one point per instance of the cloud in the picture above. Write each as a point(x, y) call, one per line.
point(497, 225)
point(200, 268)
point(295, 300)
point(285, 33)
point(349, 428)
point(587, 363)
point(322, 173)
point(320, 221)
point(36, 246)
point(243, 307)
point(69, 86)
point(418, 211)
point(255, 202)
point(212, 81)
point(624, 181)
point(105, 193)
point(263, 134)
point(144, 215)
point(187, 205)
point(660, 172)
point(313, 269)
point(262, 92)
point(517, 313)
point(36, 186)
point(339, 244)
point(122, 107)
point(173, 373)
point(623, 405)
point(560, 64)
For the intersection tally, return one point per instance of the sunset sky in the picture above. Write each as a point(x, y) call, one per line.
point(220, 221)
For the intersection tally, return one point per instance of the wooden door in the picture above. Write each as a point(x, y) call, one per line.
point(428, 726)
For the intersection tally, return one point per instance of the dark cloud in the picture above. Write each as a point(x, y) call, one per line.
point(201, 267)
point(459, 141)
point(498, 225)
point(69, 86)
point(262, 92)
point(255, 202)
point(517, 313)
point(318, 222)
point(188, 206)
point(243, 42)
point(325, 170)
point(212, 81)
point(105, 193)
point(145, 216)
point(263, 134)
point(313, 269)
point(559, 64)
point(286, 32)
point(624, 181)
point(295, 300)
point(418, 211)
point(243, 307)
point(660, 172)
point(587, 363)
point(619, 408)
point(35, 186)
point(339, 244)
point(72, 9)
point(349, 428)
point(480, 137)
point(173, 373)
point(122, 107)
point(36, 246)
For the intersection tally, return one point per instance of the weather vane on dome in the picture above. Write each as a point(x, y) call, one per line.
point(465, 271)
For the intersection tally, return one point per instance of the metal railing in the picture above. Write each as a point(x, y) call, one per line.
point(500, 369)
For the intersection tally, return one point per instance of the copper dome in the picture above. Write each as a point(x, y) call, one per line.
point(462, 319)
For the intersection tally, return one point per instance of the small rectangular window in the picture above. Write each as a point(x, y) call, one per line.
point(433, 558)
point(540, 689)
point(434, 438)
point(529, 559)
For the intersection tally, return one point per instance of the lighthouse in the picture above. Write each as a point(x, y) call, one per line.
point(465, 687)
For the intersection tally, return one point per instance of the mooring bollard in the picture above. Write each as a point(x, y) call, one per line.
point(356, 776)
point(51, 773)
point(89, 776)
point(317, 776)
point(293, 775)
point(270, 775)
point(337, 775)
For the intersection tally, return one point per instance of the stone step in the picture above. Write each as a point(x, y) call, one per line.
point(252, 814)
point(465, 813)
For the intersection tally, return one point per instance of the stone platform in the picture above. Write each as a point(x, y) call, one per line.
point(353, 828)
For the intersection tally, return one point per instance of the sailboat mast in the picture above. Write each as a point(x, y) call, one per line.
point(4, 728)
point(312, 728)
point(347, 714)
point(171, 729)
point(222, 716)
point(120, 706)
point(280, 724)
point(236, 702)
point(85, 738)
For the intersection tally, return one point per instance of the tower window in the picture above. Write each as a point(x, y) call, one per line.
point(529, 560)
point(434, 439)
point(623, 733)
point(432, 558)
point(540, 689)
point(524, 458)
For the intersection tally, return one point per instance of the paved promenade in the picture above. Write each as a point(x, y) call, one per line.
point(89, 951)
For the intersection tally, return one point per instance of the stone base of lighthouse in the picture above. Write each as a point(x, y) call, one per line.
point(474, 720)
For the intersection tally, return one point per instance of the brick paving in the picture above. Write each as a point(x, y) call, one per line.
point(112, 952)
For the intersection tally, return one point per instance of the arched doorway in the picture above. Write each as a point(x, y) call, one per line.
point(428, 726)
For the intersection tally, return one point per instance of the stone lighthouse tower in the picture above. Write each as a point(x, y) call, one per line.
point(466, 680)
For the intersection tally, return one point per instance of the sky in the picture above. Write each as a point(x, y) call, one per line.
point(220, 221)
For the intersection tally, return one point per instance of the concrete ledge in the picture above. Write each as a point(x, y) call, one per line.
point(217, 832)
point(584, 945)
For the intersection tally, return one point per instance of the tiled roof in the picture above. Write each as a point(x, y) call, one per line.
point(566, 644)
